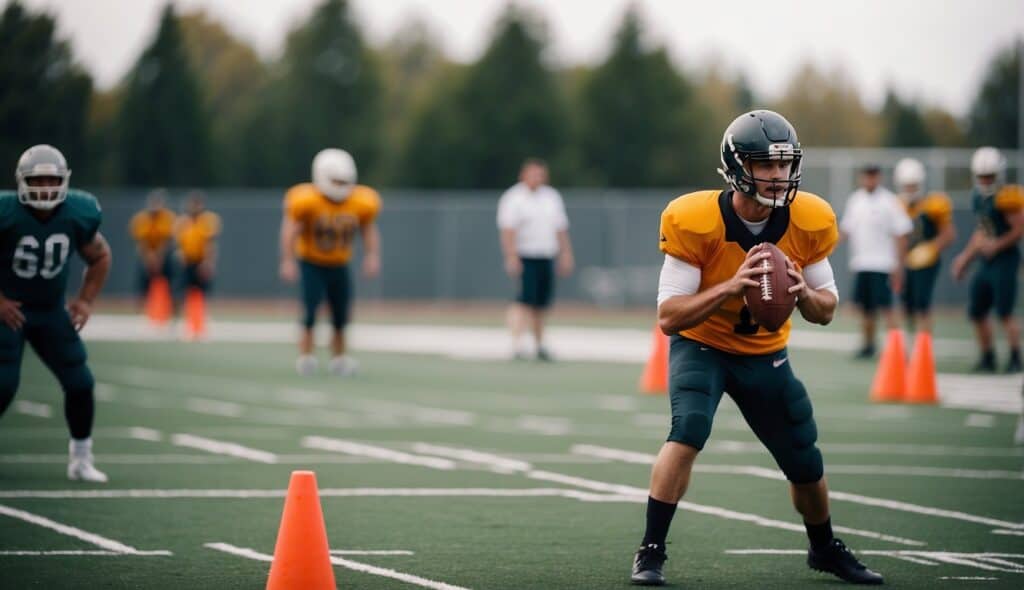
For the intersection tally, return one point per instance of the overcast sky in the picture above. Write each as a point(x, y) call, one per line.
point(932, 51)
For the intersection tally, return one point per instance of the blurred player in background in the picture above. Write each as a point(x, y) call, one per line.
point(999, 210)
point(711, 240)
point(196, 232)
point(932, 216)
point(877, 227)
point(153, 232)
point(534, 230)
point(319, 227)
point(40, 226)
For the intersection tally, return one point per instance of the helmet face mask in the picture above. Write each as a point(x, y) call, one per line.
point(334, 174)
point(761, 136)
point(988, 167)
point(43, 177)
point(909, 176)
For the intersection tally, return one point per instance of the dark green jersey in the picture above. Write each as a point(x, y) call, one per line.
point(993, 213)
point(34, 254)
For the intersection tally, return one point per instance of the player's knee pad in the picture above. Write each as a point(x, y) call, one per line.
point(799, 457)
point(691, 428)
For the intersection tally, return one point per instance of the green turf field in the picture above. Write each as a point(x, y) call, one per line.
point(935, 496)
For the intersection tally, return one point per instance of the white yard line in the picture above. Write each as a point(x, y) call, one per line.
point(1006, 532)
point(999, 562)
point(68, 552)
point(212, 407)
point(70, 531)
point(500, 464)
point(248, 494)
point(371, 552)
point(143, 433)
point(33, 409)
point(926, 510)
point(883, 449)
point(223, 448)
point(345, 563)
point(354, 448)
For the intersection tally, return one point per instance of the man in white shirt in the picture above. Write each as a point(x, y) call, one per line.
point(534, 231)
point(877, 227)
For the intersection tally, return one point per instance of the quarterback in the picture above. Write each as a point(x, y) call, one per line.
point(711, 240)
point(321, 220)
point(40, 225)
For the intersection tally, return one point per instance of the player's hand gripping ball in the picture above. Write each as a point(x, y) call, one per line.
point(770, 302)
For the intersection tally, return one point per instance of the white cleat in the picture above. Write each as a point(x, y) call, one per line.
point(82, 469)
point(306, 365)
point(1018, 437)
point(343, 366)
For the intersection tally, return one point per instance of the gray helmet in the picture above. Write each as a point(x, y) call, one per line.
point(42, 161)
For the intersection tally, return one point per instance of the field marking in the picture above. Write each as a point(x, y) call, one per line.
point(35, 409)
point(107, 494)
point(495, 462)
point(223, 448)
point(774, 474)
point(969, 578)
point(980, 421)
point(371, 552)
point(735, 446)
point(1006, 532)
point(354, 448)
point(345, 563)
point(70, 531)
point(83, 552)
point(996, 562)
point(212, 407)
point(143, 433)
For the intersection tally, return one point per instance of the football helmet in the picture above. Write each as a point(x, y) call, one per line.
point(909, 171)
point(760, 135)
point(42, 161)
point(988, 161)
point(334, 173)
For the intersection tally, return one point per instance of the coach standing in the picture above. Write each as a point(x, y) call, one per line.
point(877, 227)
point(534, 231)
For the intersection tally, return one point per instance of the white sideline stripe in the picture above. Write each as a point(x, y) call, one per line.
point(371, 552)
point(494, 461)
point(324, 493)
point(980, 421)
point(1006, 532)
point(345, 563)
point(142, 433)
point(736, 446)
point(86, 552)
point(969, 578)
point(213, 407)
point(354, 448)
point(91, 538)
point(223, 448)
point(640, 495)
point(33, 409)
point(996, 562)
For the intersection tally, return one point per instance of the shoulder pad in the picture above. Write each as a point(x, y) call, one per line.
point(811, 213)
point(696, 213)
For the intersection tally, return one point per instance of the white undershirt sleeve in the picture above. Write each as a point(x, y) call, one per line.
point(677, 278)
point(819, 276)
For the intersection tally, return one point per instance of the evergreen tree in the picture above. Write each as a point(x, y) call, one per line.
point(995, 114)
point(164, 134)
point(904, 124)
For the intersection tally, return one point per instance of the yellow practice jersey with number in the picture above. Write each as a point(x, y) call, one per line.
point(195, 235)
point(327, 228)
point(703, 229)
point(152, 229)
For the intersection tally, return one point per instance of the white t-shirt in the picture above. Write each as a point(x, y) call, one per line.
point(873, 221)
point(536, 216)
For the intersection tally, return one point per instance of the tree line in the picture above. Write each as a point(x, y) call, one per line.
point(199, 107)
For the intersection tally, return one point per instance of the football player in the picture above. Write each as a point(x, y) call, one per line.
point(1000, 213)
point(711, 240)
point(153, 232)
point(319, 227)
point(40, 226)
point(932, 215)
point(196, 232)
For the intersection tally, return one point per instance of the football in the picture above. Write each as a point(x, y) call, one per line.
point(770, 302)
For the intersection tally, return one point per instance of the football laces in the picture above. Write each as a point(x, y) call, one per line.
point(766, 285)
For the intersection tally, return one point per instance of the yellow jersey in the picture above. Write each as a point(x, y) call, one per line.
point(194, 235)
point(327, 228)
point(152, 229)
point(703, 229)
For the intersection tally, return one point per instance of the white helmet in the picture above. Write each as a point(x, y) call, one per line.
point(334, 173)
point(42, 160)
point(987, 161)
point(909, 172)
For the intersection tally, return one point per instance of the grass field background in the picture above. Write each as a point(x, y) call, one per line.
point(936, 495)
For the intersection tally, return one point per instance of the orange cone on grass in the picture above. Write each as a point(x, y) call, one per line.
point(890, 384)
point(158, 301)
point(921, 386)
point(302, 558)
point(654, 379)
point(195, 313)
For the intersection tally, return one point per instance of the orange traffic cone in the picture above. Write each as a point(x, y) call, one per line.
point(195, 313)
point(654, 379)
point(158, 301)
point(302, 558)
point(891, 379)
point(921, 388)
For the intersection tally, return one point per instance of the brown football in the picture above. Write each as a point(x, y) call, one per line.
point(770, 303)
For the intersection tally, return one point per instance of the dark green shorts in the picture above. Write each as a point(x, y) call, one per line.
point(994, 285)
point(51, 335)
point(537, 283)
point(331, 281)
point(773, 402)
point(919, 287)
point(871, 291)
point(193, 279)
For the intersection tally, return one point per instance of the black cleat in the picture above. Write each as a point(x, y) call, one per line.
point(866, 353)
point(839, 561)
point(1013, 365)
point(543, 355)
point(986, 363)
point(647, 564)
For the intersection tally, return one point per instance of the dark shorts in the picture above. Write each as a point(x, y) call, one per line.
point(537, 282)
point(994, 285)
point(192, 278)
point(871, 290)
point(166, 269)
point(773, 402)
point(49, 332)
point(332, 281)
point(919, 287)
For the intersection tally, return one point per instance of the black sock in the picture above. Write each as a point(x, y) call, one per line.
point(79, 409)
point(659, 517)
point(819, 534)
point(1014, 354)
